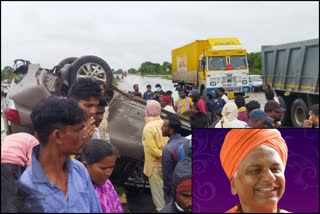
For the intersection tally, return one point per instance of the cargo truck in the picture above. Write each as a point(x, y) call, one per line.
point(210, 64)
point(293, 71)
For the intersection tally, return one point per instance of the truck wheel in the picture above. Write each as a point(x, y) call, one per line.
point(299, 112)
point(285, 120)
point(91, 67)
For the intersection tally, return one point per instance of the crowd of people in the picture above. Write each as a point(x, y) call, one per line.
point(223, 113)
point(65, 164)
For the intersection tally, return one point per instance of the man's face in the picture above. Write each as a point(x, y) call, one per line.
point(99, 115)
point(102, 89)
point(257, 124)
point(157, 94)
point(194, 98)
point(102, 170)
point(136, 88)
point(184, 198)
point(182, 94)
point(275, 115)
point(162, 103)
point(165, 128)
point(314, 118)
point(71, 138)
point(259, 180)
point(89, 106)
point(148, 89)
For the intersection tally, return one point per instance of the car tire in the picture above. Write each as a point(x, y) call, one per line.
point(95, 67)
point(299, 112)
point(68, 60)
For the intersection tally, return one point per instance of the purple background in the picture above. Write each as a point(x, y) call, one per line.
point(211, 188)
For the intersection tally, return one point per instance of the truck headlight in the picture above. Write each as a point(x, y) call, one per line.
point(244, 82)
point(213, 83)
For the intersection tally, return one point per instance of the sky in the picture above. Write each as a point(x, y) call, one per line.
point(126, 34)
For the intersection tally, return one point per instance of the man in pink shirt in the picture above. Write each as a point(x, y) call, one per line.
point(199, 104)
point(16, 150)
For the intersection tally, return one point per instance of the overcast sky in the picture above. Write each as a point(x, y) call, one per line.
point(127, 34)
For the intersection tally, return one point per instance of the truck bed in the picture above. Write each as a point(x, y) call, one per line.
point(292, 67)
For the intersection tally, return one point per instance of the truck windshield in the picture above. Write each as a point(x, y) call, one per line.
point(238, 62)
point(216, 63)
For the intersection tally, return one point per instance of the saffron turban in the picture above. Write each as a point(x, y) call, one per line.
point(238, 143)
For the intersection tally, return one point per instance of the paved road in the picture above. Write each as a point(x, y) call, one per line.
point(258, 96)
point(127, 85)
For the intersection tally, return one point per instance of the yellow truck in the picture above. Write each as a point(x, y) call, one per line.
point(210, 64)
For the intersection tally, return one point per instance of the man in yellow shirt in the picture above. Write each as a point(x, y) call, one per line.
point(184, 103)
point(153, 143)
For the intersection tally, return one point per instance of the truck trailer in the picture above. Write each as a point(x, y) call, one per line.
point(293, 71)
point(210, 64)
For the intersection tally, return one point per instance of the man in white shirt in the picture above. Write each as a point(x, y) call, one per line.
point(221, 93)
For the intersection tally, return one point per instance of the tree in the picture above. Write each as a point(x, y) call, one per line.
point(132, 71)
point(254, 60)
point(166, 68)
point(147, 68)
point(119, 71)
point(7, 74)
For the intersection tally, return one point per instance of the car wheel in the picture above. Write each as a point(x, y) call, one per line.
point(90, 67)
point(68, 60)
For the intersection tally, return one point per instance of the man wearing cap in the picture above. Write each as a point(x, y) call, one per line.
point(275, 111)
point(181, 189)
point(165, 102)
point(254, 161)
point(258, 119)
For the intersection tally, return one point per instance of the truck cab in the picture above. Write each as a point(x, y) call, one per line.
point(212, 63)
